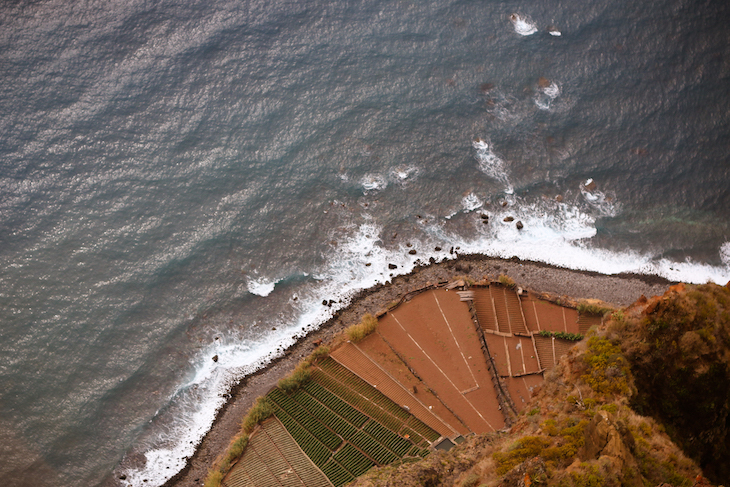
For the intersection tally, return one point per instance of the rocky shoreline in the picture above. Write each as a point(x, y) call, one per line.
point(619, 290)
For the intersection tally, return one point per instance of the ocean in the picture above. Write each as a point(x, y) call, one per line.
point(184, 179)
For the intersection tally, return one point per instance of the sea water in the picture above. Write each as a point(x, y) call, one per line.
point(184, 179)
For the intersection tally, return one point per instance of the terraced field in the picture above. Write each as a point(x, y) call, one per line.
point(345, 426)
point(443, 364)
point(273, 458)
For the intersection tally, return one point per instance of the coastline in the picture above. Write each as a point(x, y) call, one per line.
point(620, 290)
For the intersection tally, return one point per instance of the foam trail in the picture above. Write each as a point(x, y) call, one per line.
point(491, 164)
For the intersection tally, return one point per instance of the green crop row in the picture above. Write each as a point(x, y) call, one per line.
point(395, 443)
point(573, 337)
point(336, 473)
point(336, 404)
point(414, 437)
point(314, 449)
point(358, 401)
point(373, 448)
point(305, 419)
point(361, 386)
point(423, 429)
point(325, 415)
point(354, 461)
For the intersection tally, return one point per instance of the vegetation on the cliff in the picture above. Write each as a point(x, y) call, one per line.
point(261, 410)
point(679, 349)
point(573, 337)
point(579, 431)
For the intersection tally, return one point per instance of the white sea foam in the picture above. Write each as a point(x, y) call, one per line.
point(373, 182)
point(725, 253)
point(554, 232)
point(545, 95)
point(599, 201)
point(403, 174)
point(523, 25)
point(555, 32)
point(261, 287)
point(491, 164)
point(471, 202)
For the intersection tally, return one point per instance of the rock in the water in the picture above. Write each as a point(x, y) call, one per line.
point(519, 225)
point(543, 82)
point(215, 358)
point(324, 302)
point(437, 249)
point(392, 266)
point(590, 185)
point(508, 219)
point(484, 216)
point(559, 198)
point(368, 264)
point(412, 251)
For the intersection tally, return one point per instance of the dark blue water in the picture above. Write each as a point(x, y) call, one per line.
point(177, 178)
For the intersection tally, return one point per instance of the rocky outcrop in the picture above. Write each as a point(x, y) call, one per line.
point(603, 437)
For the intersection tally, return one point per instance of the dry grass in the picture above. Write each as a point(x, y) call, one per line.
point(367, 325)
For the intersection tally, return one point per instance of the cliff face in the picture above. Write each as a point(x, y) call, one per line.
point(679, 349)
point(644, 401)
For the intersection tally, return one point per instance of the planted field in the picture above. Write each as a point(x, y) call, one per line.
point(353, 357)
point(273, 458)
point(337, 427)
point(337, 473)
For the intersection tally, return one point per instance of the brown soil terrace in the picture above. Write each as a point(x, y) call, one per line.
point(462, 360)
point(444, 340)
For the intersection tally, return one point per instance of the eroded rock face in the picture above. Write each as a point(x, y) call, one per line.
point(603, 437)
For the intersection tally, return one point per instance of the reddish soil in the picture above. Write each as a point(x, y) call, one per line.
point(556, 318)
point(520, 388)
point(352, 357)
point(620, 290)
point(375, 347)
point(418, 332)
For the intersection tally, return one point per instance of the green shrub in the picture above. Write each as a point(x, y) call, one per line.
point(573, 337)
point(608, 371)
point(523, 449)
point(300, 376)
point(261, 410)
